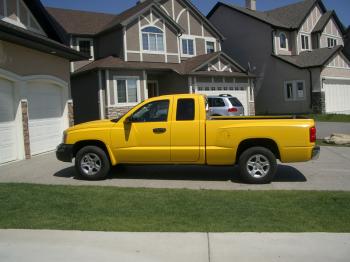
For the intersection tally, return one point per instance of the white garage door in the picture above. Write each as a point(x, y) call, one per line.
point(240, 92)
point(45, 116)
point(337, 94)
point(8, 145)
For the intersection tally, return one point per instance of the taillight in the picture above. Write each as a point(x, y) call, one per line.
point(313, 134)
point(232, 110)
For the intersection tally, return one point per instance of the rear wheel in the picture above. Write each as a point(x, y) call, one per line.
point(257, 165)
point(92, 163)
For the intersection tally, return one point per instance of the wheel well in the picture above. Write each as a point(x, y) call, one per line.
point(82, 144)
point(267, 143)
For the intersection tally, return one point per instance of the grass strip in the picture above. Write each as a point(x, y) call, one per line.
point(330, 118)
point(25, 206)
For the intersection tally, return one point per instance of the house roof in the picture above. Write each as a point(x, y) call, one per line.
point(20, 36)
point(289, 17)
point(187, 67)
point(261, 16)
point(294, 15)
point(308, 59)
point(91, 23)
point(81, 22)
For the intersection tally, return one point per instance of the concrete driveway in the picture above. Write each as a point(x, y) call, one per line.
point(330, 172)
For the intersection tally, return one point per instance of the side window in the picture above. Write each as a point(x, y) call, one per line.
point(152, 112)
point(185, 110)
point(218, 102)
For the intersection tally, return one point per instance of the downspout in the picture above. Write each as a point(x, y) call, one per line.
point(311, 87)
point(273, 35)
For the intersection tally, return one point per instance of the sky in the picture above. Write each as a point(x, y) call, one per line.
point(342, 7)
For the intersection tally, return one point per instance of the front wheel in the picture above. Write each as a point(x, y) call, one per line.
point(92, 163)
point(257, 165)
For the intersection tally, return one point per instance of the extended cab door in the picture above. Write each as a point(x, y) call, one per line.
point(185, 130)
point(145, 137)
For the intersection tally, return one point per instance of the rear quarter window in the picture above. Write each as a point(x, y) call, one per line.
point(185, 110)
point(235, 102)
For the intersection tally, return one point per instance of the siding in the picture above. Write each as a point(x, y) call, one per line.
point(331, 30)
point(110, 44)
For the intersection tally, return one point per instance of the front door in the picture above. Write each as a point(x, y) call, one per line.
point(152, 87)
point(145, 138)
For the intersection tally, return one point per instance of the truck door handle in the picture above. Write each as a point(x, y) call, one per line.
point(159, 130)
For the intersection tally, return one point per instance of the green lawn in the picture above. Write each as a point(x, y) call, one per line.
point(330, 118)
point(143, 210)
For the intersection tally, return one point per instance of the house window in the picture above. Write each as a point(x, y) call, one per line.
point(85, 46)
point(283, 41)
point(188, 47)
point(125, 91)
point(152, 39)
point(294, 90)
point(331, 42)
point(210, 47)
point(305, 42)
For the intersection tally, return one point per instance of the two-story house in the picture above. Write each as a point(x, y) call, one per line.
point(34, 81)
point(295, 51)
point(156, 47)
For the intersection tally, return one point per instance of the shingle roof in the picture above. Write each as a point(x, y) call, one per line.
point(80, 22)
point(287, 17)
point(294, 14)
point(187, 67)
point(315, 58)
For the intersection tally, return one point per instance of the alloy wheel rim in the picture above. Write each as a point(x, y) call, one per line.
point(258, 166)
point(91, 164)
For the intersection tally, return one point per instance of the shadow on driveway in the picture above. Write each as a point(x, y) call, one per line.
point(190, 173)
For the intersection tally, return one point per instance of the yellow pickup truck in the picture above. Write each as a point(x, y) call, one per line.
point(176, 129)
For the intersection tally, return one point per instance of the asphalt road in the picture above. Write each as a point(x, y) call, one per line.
point(43, 245)
point(327, 128)
point(330, 172)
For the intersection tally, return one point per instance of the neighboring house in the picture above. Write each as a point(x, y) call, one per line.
point(295, 51)
point(347, 43)
point(154, 48)
point(34, 81)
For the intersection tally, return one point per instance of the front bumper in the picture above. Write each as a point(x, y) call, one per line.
point(64, 153)
point(316, 152)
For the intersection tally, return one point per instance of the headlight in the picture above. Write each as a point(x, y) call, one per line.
point(64, 137)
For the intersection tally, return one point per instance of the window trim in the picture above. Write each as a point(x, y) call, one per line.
point(115, 89)
point(187, 37)
point(141, 37)
point(206, 44)
point(331, 39)
point(294, 90)
point(280, 43)
point(92, 50)
point(301, 42)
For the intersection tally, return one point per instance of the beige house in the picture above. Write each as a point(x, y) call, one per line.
point(154, 48)
point(34, 81)
point(296, 51)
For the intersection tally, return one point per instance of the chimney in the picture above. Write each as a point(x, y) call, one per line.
point(250, 4)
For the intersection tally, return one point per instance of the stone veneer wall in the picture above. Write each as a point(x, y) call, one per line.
point(115, 112)
point(70, 113)
point(25, 118)
point(251, 108)
point(319, 102)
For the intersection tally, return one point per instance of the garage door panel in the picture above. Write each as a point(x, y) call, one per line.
point(337, 95)
point(8, 144)
point(45, 116)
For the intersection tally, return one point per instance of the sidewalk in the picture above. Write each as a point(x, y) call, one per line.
point(43, 245)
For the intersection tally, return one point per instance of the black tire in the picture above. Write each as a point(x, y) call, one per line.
point(93, 160)
point(264, 169)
